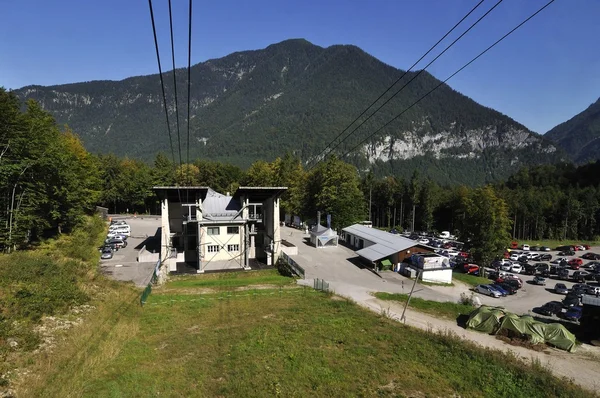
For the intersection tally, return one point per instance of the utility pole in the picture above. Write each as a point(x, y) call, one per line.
point(403, 317)
point(413, 218)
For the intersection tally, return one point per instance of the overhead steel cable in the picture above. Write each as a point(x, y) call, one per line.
point(418, 73)
point(162, 83)
point(397, 80)
point(189, 81)
point(175, 82)
point(449, 77)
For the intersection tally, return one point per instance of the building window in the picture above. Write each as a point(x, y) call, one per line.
point(213, 230)
point(213, 248)
point(233, 248)
point(233, 230)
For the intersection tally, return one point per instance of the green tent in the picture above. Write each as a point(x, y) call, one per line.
point(557, 335)
point(485, 319)
point(524, 325)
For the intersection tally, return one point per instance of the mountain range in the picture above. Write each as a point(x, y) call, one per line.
point(296, 97)
point(580, 135)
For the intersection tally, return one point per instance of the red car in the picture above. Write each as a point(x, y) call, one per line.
point(575, 263)
point(463, 254)
point(514, 245)
point(587, 247)
point(471, 268)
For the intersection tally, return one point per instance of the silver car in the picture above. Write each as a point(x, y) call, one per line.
point(561, 288)
point(106, 255)
point(485, 289)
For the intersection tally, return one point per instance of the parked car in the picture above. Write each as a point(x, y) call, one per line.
point(534, 248)
point(534, 256)
point(544, 249)
point(563, 248)
point(593, 290)
point(573, 314)
point(506, 266)
point(111, 246)
point(591, 265)
point(508, 287)
point(580, 247)
point(559, 260)
point(578, 289)
point(485, 289)
point(575, 263)
point(423, 241)
point(472, 269)
point(530, 269)
point(499, 289)
point(539, 280)
point(545, 257)
point(525, 247)
point(563, 273)
point(561, 288)
point(118, 242)
point(514, 245)
point(587, 247)
point(591, 256)
point(106, 254)
point(570, 300)
point(516, 268)
point(566, 253)
point(514, 256)
point(580, 276)
point(551, 308)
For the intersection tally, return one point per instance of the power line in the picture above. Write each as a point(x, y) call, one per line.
point(189, 81)
point(174, 80)
point(162, 84)
point(450, 77)
point(397, 80)
point(419, 73)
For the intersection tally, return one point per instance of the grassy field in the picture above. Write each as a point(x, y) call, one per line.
point(444, 309)
point(232, 279)
point(292, 342)
point(471, 280)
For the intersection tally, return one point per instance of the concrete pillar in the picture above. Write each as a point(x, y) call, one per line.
point(165, 241)
point(276, 231)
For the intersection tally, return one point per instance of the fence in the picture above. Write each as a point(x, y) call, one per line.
point(298, 270)
point(153, 280)
point(320, 284)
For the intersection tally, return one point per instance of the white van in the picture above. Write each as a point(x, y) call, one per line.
point(121, 229)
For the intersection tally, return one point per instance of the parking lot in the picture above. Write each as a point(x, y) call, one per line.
point(124, 266)
point(346, 276)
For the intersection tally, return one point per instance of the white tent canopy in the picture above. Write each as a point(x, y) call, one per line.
point(321, 236)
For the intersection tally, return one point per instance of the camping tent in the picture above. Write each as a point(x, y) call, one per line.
point(485, 319)
point(321, 236)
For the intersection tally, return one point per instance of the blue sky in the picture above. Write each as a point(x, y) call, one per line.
point(544, 74)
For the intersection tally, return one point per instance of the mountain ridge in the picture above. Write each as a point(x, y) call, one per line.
point(579, 136)
point(295, 96)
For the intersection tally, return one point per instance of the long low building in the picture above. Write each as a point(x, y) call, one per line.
point(374, 245)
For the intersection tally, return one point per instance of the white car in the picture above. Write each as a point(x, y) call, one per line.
point(516, 268)
point(505, 261)
point(452, 253)
point(514, 256)
point(534, 256)
point(525, 247)
point(506, 266)
point(485, 289)
point(424, 241)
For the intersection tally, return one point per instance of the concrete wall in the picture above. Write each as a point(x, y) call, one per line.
point(144, 256)
point(165, 241)
point(223, 239)
point(438, 276)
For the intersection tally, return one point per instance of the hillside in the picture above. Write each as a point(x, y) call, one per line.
point(296, 96)
point(579, 136)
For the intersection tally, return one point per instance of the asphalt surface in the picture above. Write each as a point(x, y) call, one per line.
point(124, 266)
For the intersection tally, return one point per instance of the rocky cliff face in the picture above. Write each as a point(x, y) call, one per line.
point(293, 96)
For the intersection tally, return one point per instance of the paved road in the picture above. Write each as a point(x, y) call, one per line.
point(124, 266)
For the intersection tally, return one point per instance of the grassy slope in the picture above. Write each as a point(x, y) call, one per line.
point(288, 342)
point(445, 309)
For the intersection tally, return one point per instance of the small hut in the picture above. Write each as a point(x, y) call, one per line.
point(321, 236)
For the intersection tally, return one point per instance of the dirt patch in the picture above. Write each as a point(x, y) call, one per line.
point(520, 342)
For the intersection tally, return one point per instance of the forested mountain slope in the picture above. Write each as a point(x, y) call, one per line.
point(296, 97)
point(580, 135)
